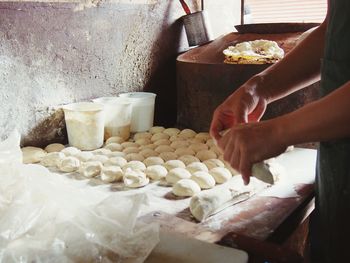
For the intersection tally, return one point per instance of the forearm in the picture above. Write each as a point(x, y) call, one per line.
point(322, 120)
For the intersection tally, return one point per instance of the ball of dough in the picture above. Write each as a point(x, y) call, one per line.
point(135, 178)
point(186, 187)
point(203, 136)
point(156, 172)
point(210, 143)
point(179, 144)
point(69, 164)
point(54, 147)
point(216, 150)
point(164, 148)
point(84, 156)
point(156, 129)
point(184, 151)
point(187, 134)
point(206, 155)
point(177, 174)
point(114, 139)
point(198, 147)
point(196, 140)
point(171, 131)
point(162, 142)
point(101, 151)
point(159, 136)
point(114, 147)
point(135, 165)
point(142, 135)
point(129, 144)
point(100, 158)
point(212, 163)
point(148, 153)
point(203, 179)
point(220, 174)
point(51, 159)
point(70, 151)
point(116, 154)
point(131, 150)
point(143, 141)
point(166, 156)
point(90, 169)
point(171, 164)
point(153, 160)
point(197, 166)
point(175, 138)
point(116, 161)
point(187, 159)
point(111, 174)
point(32, 154)
point(148, 146)
point(134, 157)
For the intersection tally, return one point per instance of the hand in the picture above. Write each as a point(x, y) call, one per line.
point(244, 105)
point(247, 144)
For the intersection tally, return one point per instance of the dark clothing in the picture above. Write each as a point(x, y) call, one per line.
point(333, 177)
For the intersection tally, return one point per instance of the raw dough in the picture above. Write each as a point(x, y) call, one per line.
point(116, 154)
point(216, 150)
point(148, 146)
point(135, 178)
point(203, 179)
point(186, 187)
point(177, 174)
point(179, 144)
point(187, 159)
point(206, 155)
point(156, 129)
point(159, 136)
point(70, 151)
point(129, 144)
point(114, 139)
point(69, 164)
point(197, 166)
point(204, 136)
point(134, 157)
point(135, 165)
point(51, 159)
point(131, 150)
point(54, 147)
point(116, 161)
point(111, 174)
point(114, 147)
point(156, 172)
point(184, 151)
point(143, 141)
point(164, 148)
point(100, 158)
point(90, 169)
point(171, 164)
point(32, 154)
point(220, 174)
point(142, 135)
point(148, 153)
point(162, 142)
point(210, 142)
point(84, 156)
point(212, 163)
point(187, 134)
point(101, 151)
point(198, 147)
point(153, 160)
point(172, 131)
point(166, 156)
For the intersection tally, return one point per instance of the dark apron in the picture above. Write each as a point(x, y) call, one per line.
point(332, 230)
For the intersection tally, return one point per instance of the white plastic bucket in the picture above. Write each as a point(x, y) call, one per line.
point(142, 110)
point(117, 116)
point(85, 125)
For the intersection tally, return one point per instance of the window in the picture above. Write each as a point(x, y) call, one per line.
point(273, 11)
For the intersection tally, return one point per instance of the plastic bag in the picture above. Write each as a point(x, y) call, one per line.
point(47, 217)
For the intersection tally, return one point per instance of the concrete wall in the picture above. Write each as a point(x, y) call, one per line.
point(55, 53)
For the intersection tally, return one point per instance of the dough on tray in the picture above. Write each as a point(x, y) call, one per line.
point(100, 158)
point(135, 178)
point(156, 172)
point(32, 154)
point(156, 129)
point(54, 147)
point(148, 153)
point(186, 187)
point(142, 135)
point(114, 139)
point(101, 151)
point(187, 134)
point(84, 156)
point(114, 147)
point(203, 179)
point(197, 166)
point(159, 136)
point(187, 159)
point(172, 131)
point(153, 160)
point(220, 174)
point(171, 164)
point(206, 155)
point(110, 174)
point(116, 161)
point(51, 159)
point(196, 147)
point(90, 169)
point(69, 164)
point(166, 156)
point(212, 163)
point(70, 151)
point(184, 151)
point(134, 157)
point(135, 165)
point(177, 174)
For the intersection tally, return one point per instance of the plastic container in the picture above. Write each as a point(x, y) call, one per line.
point(117, 116)
point(85, 125)
point(142, 110)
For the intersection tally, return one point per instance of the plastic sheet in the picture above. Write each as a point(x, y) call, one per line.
point(45, 218)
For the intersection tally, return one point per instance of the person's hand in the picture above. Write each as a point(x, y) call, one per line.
point(247, 144)
point(245, 104)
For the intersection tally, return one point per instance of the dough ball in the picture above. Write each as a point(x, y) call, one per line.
point(171, 164)
point(135, 165)
point(134, 157)
point(195, 141)
point(212, 163)
point(216, 150)
point(156, 172)
point(52, 159)
point(148, 153)
point(206, 155)
point(156, 129)
point(175, 138)
point(115, 139)
point(220, 174)
point(116, 154)
point(69, 164)
point(153, 160)
point(135, 178)
point(32, 154)
point(203, 179)
point(129, 144)
point(186, 187)
point(184, 151)
point(54, 147)
point(142, 135)
point(70, 151)
point(148, 146)
point(111, 174)
point(143, 141)
point(84, 156)
point(100, 158)
point(177, 174)
point(159, 136)
point(197, 166)
point(187, 159)
point(204, 136)
point(187, 134)
point(210, 143)
point(164, 148)
point(90, 169)
point(179, 144)
point(166, 156)
point(198, 147)
point(116, 161)
point(101, 151)
point(131, 150)
point(114, 147)
point(171, 131)
point(162, 142)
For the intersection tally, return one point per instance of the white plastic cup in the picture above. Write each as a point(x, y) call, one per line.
point(117, 116)
point(142, 110)
point(85, 125)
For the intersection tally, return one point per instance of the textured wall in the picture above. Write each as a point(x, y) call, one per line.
point(56, 53)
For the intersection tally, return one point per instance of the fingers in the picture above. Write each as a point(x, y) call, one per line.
point(245, 167)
